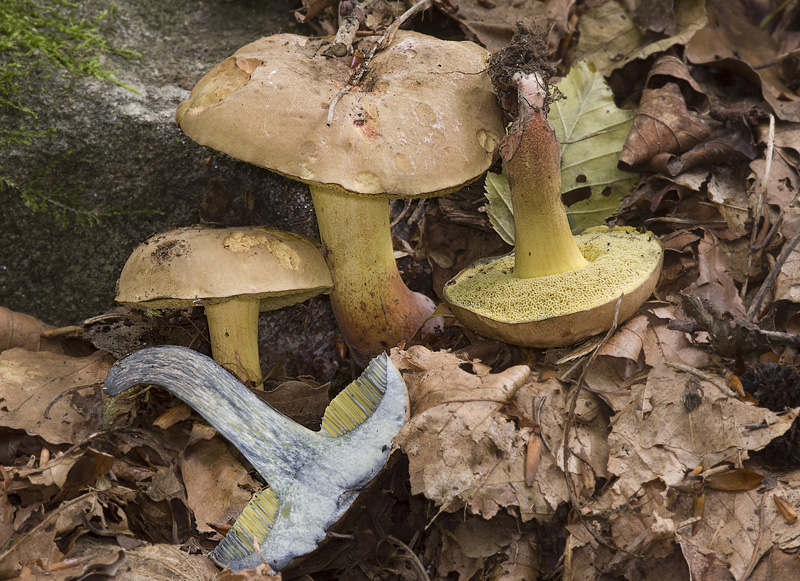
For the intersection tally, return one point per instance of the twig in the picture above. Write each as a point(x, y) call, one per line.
point(570, 419)
point(773, 274)
point(382, 43)
point(350, 14)
point(754, 557)
point(763, 244)
point(761, 196)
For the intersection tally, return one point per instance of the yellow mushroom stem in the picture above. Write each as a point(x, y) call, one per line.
point(233, 330)
point(532, 158)
point(374, 308)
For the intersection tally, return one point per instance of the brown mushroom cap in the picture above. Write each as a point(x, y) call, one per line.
point(559, 309)
point(201, 266)
point(423, 121)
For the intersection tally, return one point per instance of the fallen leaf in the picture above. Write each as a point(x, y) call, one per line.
point(610, 37)
point(36, 390)
point(27, 332)
point(663, 125)
point(217, 485)
point(655, 437)
point(464, 449)
point(493, 23)
point(731, 42)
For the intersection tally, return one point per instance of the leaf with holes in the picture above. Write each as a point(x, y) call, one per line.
point(592, 131)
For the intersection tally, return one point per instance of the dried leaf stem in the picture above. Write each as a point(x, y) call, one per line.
point(705, 377)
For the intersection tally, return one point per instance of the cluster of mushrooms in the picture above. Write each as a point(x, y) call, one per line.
point(423, 121)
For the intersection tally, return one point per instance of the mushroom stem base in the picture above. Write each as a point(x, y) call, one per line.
point(233, 330)
point(374, 308)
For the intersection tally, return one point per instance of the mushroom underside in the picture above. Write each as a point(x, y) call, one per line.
point(560, 309)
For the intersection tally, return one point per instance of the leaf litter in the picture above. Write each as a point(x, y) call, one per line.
point(664, 473)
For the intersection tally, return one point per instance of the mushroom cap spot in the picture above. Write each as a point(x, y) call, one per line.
point(560, 309)
point(241, 241)
point(423, 121)
point(200, 266)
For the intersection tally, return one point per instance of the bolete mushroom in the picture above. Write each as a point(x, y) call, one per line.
point(234, 273)
point(423, 121)
point(554, 289)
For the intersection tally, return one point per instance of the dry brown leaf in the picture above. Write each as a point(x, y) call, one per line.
point(261, 573)
point(493, 23)
point(735, 480)
point(464, 449)
point(27, 332)
point(656, 438)
point(38, 543)
point(714, 281)
point(645, 340)
point(730, 41)
point(457, 440)
point(663, 125)
point(610, 36)
point(145, 562)
point(478, 548)
point(300, 401)
point(732, 524)
point(31, 382)
point(217, 485)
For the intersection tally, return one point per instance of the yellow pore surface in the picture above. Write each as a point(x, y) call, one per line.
point(620, 259)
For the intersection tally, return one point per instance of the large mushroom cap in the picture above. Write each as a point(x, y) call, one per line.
point(560, 309)
point(423, 121)
point(202, 266)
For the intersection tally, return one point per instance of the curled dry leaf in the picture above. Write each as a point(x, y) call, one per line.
point(27, 332)
point(734, 43)
point(611, 37)
point(739, 527)
point(494, 22)
point(662, 126)
point(217, 485)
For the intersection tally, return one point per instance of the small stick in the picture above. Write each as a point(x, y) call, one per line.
point(773, 274)
point(761, 196)
point(705, 377)
point(350, 13)
point(382, 43)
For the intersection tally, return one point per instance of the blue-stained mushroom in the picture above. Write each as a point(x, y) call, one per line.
point(313, 477)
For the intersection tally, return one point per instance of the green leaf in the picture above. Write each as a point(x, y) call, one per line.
point(499, 211)
point(592, 131)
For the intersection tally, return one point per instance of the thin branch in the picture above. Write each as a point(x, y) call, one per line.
point(760, 207)
point(382, 44)
point(570, 419)
point(787, 250)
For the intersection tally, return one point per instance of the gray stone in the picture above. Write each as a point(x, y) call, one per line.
point(119, 153)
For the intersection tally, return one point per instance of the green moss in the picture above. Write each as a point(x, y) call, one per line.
point(37, 34)
point(47, 37)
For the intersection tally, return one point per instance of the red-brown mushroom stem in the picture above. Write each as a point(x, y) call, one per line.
point(374, 308)
point(532, 158)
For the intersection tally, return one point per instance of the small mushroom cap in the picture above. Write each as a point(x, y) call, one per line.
point(561, 309)
point(423, 121)
point(201, 266)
